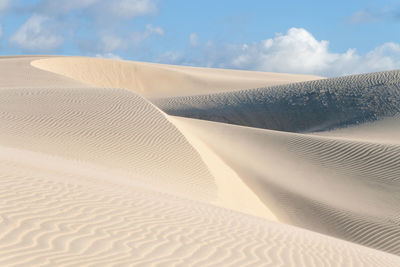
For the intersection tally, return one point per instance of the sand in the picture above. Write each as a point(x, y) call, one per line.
point(313, 106)
point(93, 170)
point(300, 177)
point(160, 80)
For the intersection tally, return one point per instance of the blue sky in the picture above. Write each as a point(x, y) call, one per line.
point(327, 38)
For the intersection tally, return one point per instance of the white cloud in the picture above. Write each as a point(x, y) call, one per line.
point(94, 21)
point(297, 51)
point(193, 39)
point(386, 56)
point(36, 34)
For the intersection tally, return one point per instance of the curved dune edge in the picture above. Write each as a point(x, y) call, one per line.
point(161, 155)
point(17, 71)
point(301, 176)
point(305, 107)
point(107, 127)
point(139, 77)
point(233, 192)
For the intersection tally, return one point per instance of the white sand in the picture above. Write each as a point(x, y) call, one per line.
point(156, 80)
point(98, 176)
point(385, 130)
point(346, 189)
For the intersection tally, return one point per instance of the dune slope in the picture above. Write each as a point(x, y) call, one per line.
point(108, 127)
point(346, 189)
point(385, 130)
point(299, 107)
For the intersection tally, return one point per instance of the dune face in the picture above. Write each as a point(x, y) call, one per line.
point(346, 189)
point(384, 130)
point(300, 107)
point(108, 127)
point(94, 172)
point(155, 80)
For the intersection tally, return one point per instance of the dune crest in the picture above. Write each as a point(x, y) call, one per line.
point(139, 77)
point(311, 106)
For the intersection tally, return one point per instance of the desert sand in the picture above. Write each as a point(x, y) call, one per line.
point(118, 163)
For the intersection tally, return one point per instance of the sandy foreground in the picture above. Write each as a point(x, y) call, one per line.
point(118, 163)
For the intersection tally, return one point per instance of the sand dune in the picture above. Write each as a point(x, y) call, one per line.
point(93, 172)
point(156, 80)
point(299, 107)
point(64, 217)
point(384, 130)
point(300, 178)
point(16, 71)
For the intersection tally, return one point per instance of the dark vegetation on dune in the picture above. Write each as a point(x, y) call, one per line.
point(298, 107)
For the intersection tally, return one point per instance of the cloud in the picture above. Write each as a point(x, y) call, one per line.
point(299, 52)
point(109, 43)
point(36, 34)
point(93, 25)
point(296, 51)
point(193, 39)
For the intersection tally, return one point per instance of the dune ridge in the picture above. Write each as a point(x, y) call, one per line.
point(171, 80)
point(17, 71)
point(311, 106)
point(300, 176)
point(94, 172)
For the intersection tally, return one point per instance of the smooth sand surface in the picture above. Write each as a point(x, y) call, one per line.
point(16, 71)
point(94, 172)
point(156, 80)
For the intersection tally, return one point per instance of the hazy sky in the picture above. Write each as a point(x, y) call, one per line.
point(320, 37)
